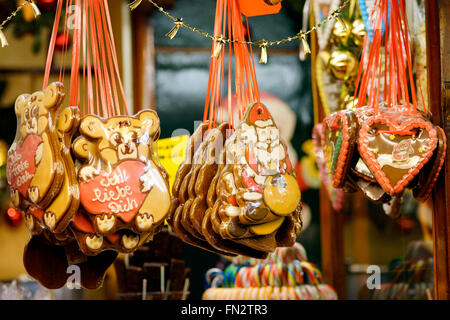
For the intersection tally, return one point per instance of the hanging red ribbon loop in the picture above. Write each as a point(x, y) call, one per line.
point(100, 90)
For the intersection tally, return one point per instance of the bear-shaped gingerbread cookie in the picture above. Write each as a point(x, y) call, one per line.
point(35, 170)
point(121, 187)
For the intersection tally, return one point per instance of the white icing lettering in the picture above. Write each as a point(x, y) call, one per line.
point(118, 196)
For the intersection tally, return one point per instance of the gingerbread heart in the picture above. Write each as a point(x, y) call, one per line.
point(338, 141)
point(336, 195)
point(430, 172)
point(21, 165)
point(117, 192)
point(395, 152)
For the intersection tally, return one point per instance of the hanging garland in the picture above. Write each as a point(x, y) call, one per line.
point(36, 11)
point(263, 44)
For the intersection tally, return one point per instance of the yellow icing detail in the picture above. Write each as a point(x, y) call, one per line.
point(283, 198)
point(267, 228)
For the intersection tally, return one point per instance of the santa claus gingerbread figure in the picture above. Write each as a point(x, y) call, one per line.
point(259, 185)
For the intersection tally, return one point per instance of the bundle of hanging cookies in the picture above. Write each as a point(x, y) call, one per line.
point(236, 192)
point(387, 143)
point(83, 174)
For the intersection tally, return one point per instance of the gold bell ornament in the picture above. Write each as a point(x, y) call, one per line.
point(343, 64)
point(341, 32)
point(358, 32)
point(349, 103)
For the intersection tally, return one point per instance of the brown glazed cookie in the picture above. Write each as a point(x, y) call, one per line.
point(188, 238)
point(232, 231)
point(396, 150)
point(338, 141)
point(335, 195)
point(35, 166)
point(183, 202)
point(430, 172)
point(121, 186)
point(39, 252)
point(64, 206)
point(186, 222)
point(257, 188)
point(224, 244)
point(372, 190)
point(194, 142)
point(197, 162)
point(179, 188)
point(33, 220)
point(91, 243)
point(361, 170)
point(214, 144)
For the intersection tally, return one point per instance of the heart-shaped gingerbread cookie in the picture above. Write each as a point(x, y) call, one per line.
point(336, 195)
point(338, 141)
point(396, 151)
point(430, 172)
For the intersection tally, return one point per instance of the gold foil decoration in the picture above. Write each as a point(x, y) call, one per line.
point(358, 32)
point(220, 41)
point(35, 8)
point(263, 47)
point(306, 48)
point(341, 32)
point(3, 40)
point(135, 4)
point(341, 22)
point(27, 11)
point(3, 152)
point(172, 33)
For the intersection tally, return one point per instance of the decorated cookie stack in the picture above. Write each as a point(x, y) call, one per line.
point(124, 193)
point(236, 192)
point(237, 196)
point(114, 197)
point(82, 171)
point(386, 144)
point(284, 275)
point(154, 271)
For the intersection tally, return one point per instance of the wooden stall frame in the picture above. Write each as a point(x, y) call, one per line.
point(438, 56)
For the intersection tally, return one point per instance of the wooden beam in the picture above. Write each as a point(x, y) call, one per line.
point(143, 62)
point(331, 222)
point(332, 244)
point(438, 53)
point(360, 216)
